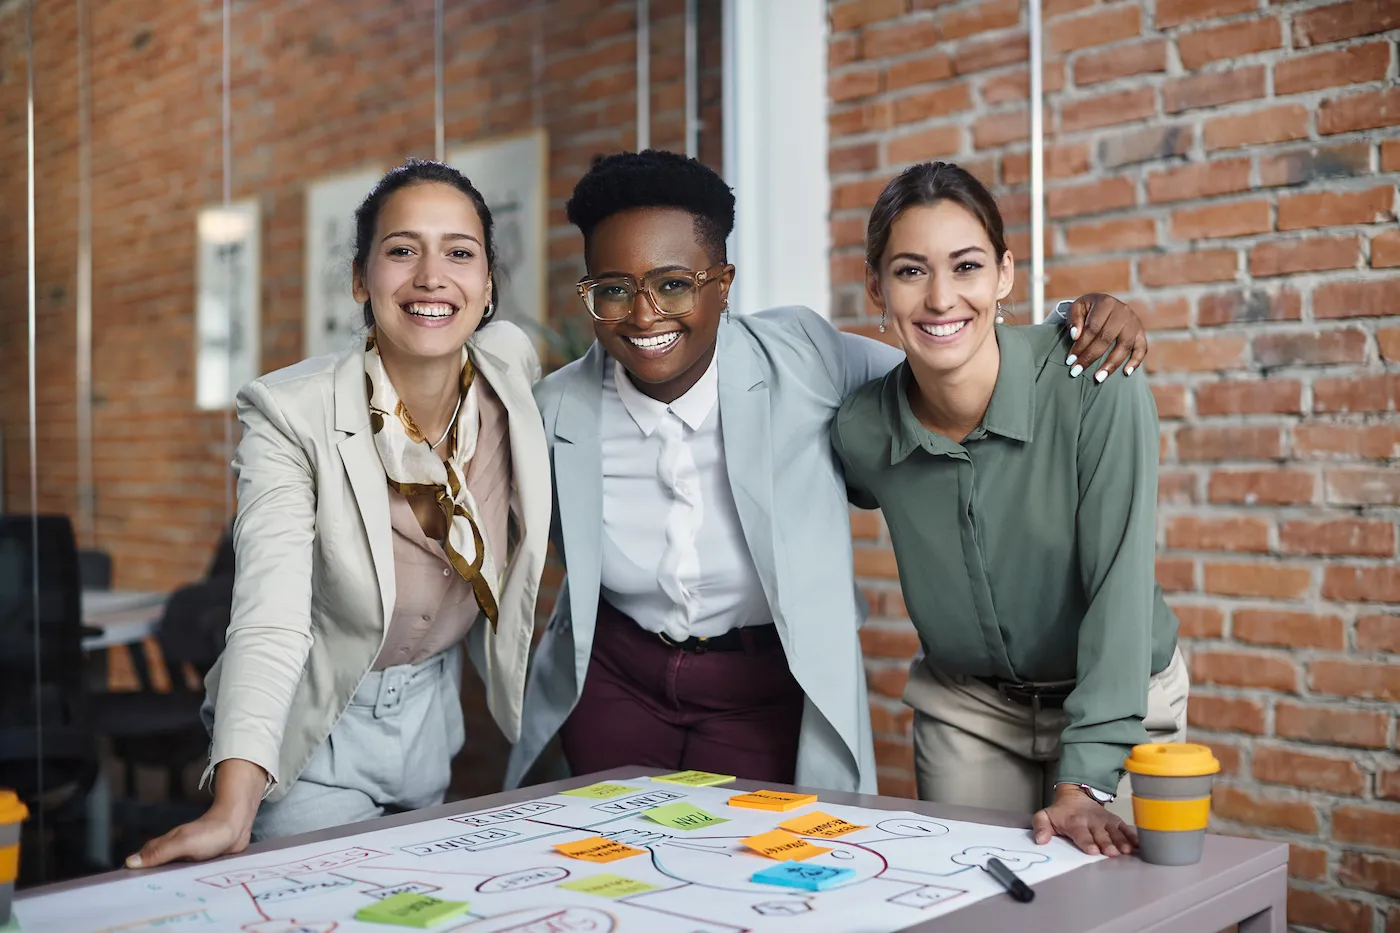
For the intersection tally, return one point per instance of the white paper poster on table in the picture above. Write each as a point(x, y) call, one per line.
point(623, 859)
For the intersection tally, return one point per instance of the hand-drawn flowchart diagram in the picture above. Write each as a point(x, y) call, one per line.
point(658, 878)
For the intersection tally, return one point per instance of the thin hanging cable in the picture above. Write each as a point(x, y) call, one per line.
point(227, 115)
point(1037, 166)
point(692, 82)
point(439, 127)
point(643, 75)
point(34, 448)
point(87, 507)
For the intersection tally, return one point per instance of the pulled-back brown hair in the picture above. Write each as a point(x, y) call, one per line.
point(929, 183)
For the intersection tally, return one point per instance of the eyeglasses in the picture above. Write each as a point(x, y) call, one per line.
point(672, 293)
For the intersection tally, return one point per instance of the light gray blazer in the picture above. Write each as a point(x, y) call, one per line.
point(782, 375)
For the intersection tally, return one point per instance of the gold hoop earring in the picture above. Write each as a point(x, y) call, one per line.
point(884, 317)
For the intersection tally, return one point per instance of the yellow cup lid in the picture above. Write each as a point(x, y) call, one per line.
point(1172, 759)
point(12, 809)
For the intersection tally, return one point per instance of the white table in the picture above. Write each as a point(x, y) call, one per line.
point(126, 617)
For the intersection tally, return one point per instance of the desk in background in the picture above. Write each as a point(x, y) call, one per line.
point(1241, 881)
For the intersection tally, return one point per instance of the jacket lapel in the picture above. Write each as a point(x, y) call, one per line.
point(748, 453)
point(578, 483)
point(365, 472)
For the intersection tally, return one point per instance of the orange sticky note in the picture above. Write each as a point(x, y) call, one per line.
point(598, 849)
point(772, 800)
point(820, 824)
point(777, 844)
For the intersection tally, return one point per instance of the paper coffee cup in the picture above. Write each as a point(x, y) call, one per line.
point(1171, 800)
point(12, 814)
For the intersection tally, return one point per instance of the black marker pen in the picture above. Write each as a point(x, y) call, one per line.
point(1015, 886)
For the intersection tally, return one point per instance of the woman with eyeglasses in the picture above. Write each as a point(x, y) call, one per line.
point(709, 616)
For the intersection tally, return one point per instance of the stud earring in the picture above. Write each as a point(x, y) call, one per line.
point(884, 317)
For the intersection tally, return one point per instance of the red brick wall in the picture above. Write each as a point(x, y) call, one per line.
point(1229, 166)
point(318, 88)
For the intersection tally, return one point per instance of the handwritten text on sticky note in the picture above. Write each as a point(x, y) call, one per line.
point(411, 910)
point(683, 816)
point(597, 849)
point(819, 824)
point(608, 886)
point(602, 791)
point(772, 800)
point(695, 778)
point(782, 845)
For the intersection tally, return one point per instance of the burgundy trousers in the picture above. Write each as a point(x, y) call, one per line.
point(648, 704)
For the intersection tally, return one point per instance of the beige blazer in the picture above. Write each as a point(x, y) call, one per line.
point(314, 587)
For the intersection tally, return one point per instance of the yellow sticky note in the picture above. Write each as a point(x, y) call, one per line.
point(608, 886)
point(772, 800)
point(695, 778)
point(777, 844)
point(602, 791)
point(683, 816)
point(598, 849)
point(819, 824)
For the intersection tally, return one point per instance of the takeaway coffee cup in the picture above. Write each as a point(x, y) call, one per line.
point(1171, 800)
point(12, 814)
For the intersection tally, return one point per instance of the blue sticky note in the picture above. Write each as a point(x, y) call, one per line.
point(804, 875)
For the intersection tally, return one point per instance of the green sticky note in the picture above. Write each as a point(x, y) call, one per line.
point(608, 886)
point(683, 816)
point(695, 778)
point(602, 791)
point(412, 910)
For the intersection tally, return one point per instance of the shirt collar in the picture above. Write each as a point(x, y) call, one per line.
point(1010, 412)
point(692, 408)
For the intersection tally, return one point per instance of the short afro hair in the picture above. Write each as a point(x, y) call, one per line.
point(654, 178)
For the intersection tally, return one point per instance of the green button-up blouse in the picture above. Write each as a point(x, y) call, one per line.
point(1026, 552)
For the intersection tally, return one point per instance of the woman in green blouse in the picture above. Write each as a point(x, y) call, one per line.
point(1022, 509)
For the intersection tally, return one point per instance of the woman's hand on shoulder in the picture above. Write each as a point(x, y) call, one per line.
point(1084, 822)
point(1098, 322)
point(224, 829)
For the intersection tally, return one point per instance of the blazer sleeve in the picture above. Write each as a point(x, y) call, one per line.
point(850, 359)
point(269, 635)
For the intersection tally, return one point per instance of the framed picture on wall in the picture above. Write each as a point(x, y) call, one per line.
point(226, 302)
point(333, 319)
point(512, 174)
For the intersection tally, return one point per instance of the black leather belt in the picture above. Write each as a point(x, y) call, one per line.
point(1047, 695)
point(736, 639)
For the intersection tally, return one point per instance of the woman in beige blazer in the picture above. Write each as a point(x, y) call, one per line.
point(393, 501)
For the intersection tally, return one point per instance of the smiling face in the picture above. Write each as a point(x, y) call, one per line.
point(426, 277)
point(665, 356)
point(940, 280)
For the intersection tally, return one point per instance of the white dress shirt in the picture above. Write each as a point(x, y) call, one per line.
point(674, 557)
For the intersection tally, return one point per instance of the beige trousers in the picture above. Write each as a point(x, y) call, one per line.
point(975, 748)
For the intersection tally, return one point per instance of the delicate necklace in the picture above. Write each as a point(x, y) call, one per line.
point(451, 423)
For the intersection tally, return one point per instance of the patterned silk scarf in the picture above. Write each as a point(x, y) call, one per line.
point(415, 469)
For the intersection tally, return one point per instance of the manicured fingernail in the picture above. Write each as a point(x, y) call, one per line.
point(1101, 375)
point(1076, 371)
point(1092, 850)
point(133, 862)
point(1129, 371)
point(1069, 360)
point(1074, 333)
